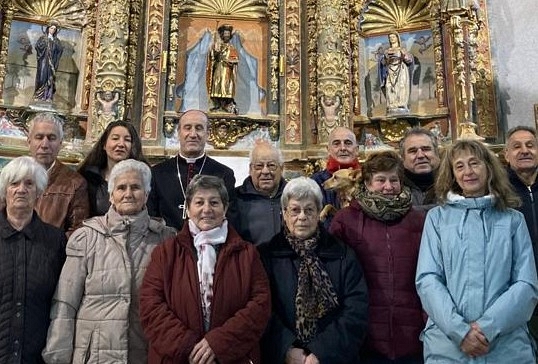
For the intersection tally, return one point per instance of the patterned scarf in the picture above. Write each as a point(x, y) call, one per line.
point(384, 208)
point(315, 292)
point(205, 242)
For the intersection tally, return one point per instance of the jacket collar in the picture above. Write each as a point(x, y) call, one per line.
point(248, 188)
point(327, 246)
point(30, 230)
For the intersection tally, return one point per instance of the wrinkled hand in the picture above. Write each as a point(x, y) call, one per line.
point(295, 356)
point(475, 342)
point(202, 353)
point(311, 359)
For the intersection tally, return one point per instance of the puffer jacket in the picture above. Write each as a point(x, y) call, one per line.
point(30, 263)
point(388, 253)
point(95, 307)
point(476, 265)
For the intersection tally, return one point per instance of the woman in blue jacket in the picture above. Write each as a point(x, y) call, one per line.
point(476, 275)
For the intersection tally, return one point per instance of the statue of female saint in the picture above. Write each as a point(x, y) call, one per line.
point(395, 65)
point(49, 49)
point(222, 71)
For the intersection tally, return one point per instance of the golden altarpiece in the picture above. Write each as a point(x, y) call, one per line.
point(305, 67)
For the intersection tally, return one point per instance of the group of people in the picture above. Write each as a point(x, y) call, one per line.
point(127, 263)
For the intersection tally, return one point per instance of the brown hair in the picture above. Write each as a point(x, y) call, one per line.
point(497, 182)
point(384, 161)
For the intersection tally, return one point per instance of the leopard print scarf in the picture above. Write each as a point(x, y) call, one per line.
point(315, 292)
point(383, 208)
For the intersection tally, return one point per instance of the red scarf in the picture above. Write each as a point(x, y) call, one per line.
point(333, 165)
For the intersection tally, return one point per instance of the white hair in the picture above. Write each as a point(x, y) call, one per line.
point(20, 168)
point(302, 188)
point(130, 165)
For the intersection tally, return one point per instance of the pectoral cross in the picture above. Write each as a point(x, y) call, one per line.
point(184, 209)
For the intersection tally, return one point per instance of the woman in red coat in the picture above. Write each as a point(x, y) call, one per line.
point(205, 296)
point(385, 233)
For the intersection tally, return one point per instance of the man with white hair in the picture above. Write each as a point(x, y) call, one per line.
point(64, 202)
point(258, 198)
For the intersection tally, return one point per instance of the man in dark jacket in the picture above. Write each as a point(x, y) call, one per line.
point(521, 152)
point(258, 198)
point(420, 155)
point(343, 151)
point(171, 177)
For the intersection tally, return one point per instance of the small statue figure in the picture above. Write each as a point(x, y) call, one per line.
point(107, 112)
point(49, 49)
point(394, 75)
point(222, 71)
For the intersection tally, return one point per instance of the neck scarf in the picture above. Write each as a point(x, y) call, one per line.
point(384, 208)
point(333, 165)
point(315, 292)
point(205, 242)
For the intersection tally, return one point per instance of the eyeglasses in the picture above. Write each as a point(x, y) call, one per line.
point(296, 211)
point(271, 166)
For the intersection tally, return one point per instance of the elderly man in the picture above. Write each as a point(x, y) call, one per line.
point(343, 151)
point(521, 152)
point(170, 178)
point(64, 202)
point(258, 198)
point(420, 155)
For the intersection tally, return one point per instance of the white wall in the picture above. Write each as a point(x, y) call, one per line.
point(514, 46)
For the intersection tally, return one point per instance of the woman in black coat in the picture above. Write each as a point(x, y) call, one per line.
point(31, 257)
point(317, 286)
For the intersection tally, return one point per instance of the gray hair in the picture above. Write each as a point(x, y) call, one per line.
point(206, 182)
point(529, 129)
point(302, 188)
point(418, 131)
point(266, 144)
point(20, 168)
point(196, 111)
point(130, 165)
point(47, 117)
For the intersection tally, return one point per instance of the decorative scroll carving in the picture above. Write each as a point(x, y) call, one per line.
point(225, 131)
point(69, 13)
point(237, 8)
point(292, 92)
point(312, 47)
point(152, 67)
point(111, 57)
point(274, 47)
point(6, 29)
point(132, 46)
point(388, 15)
point(438, 54)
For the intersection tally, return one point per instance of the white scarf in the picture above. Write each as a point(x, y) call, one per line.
point(205, 242)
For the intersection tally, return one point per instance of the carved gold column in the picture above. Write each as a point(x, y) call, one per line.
point(332, 62)
point(110, 60)
point(469, 62)
point(7, 9)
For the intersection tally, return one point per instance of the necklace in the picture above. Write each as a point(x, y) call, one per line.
point(183, 206)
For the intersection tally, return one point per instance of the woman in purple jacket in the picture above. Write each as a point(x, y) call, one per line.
point(384, 231)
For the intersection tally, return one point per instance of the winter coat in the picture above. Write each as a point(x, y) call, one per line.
point(97, 191)
point(171, 307)
point(259, 216)
point(341, 331)
point(95, 308)
point(388, 253)
point(476, 265)
point(64, 203)
point(30, 264)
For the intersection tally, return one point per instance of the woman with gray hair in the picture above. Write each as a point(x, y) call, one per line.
point(31, 257)
point(95, 307)
point(317, 287)
point(205, 297)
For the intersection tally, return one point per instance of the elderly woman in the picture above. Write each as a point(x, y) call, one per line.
point(205, 297)
point(318, 289)
point(31, 257)
point(384, 231)
point(476, 275)
point(95, 308)
point(118, 142)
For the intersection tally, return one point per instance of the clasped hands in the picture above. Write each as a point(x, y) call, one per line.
point(202, 353)
point(298, 356)
point(475, 343)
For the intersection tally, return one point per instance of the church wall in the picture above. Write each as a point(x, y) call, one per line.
point(514, 44)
